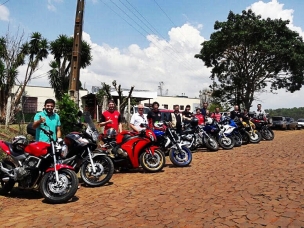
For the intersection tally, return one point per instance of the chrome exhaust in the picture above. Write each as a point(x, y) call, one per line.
point(7, 171)
point(5, 179)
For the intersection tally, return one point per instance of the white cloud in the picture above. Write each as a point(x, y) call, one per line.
point(51, 6)
point(4, 13)
point(275, 10)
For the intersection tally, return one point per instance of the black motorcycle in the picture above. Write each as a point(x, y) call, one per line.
point(95, 167)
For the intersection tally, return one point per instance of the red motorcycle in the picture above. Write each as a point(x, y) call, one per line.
point(35, 165)
point(131, 149)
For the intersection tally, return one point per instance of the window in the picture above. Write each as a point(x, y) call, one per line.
point(181, 107)
point(30, 104)
point(165, 106)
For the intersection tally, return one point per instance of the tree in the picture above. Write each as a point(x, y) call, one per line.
point(248, 53)
point(11, 57)
point(59, 74)
point(36, 50)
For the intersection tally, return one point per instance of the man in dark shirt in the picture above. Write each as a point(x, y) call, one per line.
point(187, 115)
point(235, 113)
point(176, 119)
point(154, 115)
point(204, 109)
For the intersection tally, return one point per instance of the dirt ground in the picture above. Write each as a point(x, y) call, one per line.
point(255, 185)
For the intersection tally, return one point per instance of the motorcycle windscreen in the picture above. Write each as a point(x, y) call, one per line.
point(88, 120)
point(91, 130)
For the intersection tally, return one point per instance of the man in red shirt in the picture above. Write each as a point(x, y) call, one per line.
point(216, 115)
point(111, 118)
point(200, 117)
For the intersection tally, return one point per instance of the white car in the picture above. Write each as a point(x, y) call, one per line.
point(300, 123)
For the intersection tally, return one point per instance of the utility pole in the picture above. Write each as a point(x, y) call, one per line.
point(75, 62)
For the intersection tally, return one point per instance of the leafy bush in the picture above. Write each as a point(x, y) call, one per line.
point(68, 114)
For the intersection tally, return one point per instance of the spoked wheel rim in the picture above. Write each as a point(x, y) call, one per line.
point(61, 187)
point(102, 168)
point(226, 141)
point(181, 156)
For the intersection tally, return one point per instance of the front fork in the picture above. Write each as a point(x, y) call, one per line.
point(55, 162)
point(91, 160)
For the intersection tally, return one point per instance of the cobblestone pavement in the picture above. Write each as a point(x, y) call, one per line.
point(252, 186)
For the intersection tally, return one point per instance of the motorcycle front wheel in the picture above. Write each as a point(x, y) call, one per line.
point(61, 191)
point(211, 143)
point(104, 171)
point(152, 163)
point(255, 136)
point(267, 134)
point(237, 139)
point(180, 158)
point(227, 143)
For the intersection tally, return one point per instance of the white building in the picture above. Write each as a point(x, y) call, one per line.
point(35, 96)
point(169, 102)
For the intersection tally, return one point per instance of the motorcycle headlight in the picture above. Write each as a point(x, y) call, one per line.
point(64, 151)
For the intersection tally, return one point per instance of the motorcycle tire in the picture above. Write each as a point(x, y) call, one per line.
point(237, 140)
point(152, 163)
point(6, 187)
point(227, 143)
point(68, 178)
point(211, 144)
point(180, 158)
point(245, 138)
point(267, 134)
point(104, 171)
point(256, 137)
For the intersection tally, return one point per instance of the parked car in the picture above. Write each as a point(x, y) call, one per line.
point(279, 122)
point(300, 123)
point(291, 123)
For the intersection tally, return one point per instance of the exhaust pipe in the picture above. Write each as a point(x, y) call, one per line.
point(8, 172)
point(5, 179)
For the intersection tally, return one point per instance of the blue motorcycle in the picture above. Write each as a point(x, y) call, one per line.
point(167, 139)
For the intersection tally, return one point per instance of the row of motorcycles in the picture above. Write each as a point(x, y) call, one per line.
point(53, 167)
point(226, 133)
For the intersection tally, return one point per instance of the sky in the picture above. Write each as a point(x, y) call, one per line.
point(145, 43)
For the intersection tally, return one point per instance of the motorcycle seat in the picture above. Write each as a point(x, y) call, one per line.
point(14, 152)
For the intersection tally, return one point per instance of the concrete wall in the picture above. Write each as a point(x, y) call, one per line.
point(43, 93)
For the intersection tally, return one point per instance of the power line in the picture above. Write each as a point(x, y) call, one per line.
point(4, 2)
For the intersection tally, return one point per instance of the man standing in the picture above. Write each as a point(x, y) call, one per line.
point(138, 118)
point(260, 111)
point(216, 115)
point(51, 119)
point(111, 118)
point(200, 117)
point(187, 115)
point(204, 109)
point(235, 113)
point(176, 119)
point(154, 115)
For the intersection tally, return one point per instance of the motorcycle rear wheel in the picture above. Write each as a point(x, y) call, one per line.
point(6, 187)
point(180, 158)
point(104, 168)
point(152, 163)
point(48, 186)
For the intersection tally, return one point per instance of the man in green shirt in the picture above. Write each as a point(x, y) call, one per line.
point(51, 119)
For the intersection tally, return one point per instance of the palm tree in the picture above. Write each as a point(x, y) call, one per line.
point(36, 50)
point(59, 74)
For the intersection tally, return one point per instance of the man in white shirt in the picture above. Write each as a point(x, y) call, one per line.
point(138, 118)
point(260, 111)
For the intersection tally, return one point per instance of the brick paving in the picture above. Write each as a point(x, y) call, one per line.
point(257, 185)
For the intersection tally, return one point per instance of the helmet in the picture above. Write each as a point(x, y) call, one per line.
point(158, 124)
point(209, 120)
point(194, 122)
point(19, 142)
point(111, 133)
